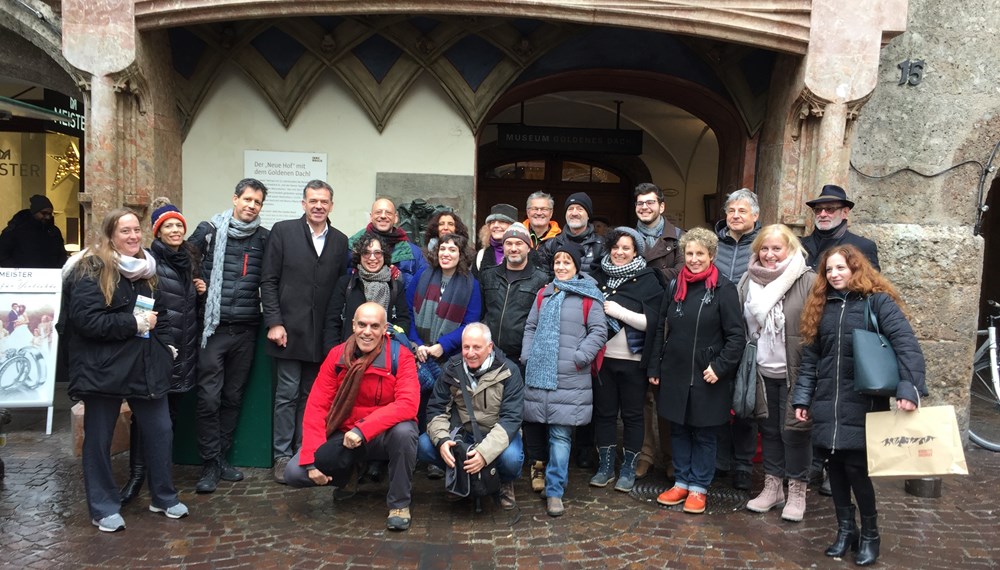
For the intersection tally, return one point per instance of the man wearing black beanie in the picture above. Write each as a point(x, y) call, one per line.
point(578, 229)
point(32, 239)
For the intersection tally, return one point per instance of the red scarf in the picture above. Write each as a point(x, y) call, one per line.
point(709, 276)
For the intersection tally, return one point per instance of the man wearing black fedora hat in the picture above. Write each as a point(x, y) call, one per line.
point(830, 211)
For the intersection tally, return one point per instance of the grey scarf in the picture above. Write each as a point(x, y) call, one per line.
point(376, 285)
point(651, 234)
point(226, 226)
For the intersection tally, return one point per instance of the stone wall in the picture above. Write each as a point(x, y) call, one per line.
point(924, 225)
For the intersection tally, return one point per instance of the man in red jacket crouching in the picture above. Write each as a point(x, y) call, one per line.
point(363, 406)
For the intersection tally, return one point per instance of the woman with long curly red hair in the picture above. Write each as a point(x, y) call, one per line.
point(824, 390)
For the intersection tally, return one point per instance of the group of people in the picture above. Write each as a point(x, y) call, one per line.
point(388, 353)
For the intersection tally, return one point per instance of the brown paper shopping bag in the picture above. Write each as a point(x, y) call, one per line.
point(922, 443)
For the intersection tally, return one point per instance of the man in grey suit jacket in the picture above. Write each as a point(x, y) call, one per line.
point(303, 258)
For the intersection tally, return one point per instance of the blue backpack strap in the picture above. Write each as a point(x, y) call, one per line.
point(393, 355)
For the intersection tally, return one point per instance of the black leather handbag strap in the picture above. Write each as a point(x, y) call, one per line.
point(870, 315)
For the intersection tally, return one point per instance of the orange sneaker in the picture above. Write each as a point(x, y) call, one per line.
point(695, 503)
point(672, 496)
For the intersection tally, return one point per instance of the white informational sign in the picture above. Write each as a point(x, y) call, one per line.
point(29, 309)
point(285, 174)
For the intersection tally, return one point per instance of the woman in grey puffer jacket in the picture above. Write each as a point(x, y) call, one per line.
point(566, 329)
point(824, 390)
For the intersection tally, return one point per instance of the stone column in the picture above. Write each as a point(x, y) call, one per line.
point(133, 135)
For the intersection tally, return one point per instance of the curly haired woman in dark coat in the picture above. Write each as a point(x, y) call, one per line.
point(824, 390)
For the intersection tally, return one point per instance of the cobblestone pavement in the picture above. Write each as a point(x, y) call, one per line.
point(260, 524)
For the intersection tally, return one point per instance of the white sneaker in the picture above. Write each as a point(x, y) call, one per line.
point(110, 523)
point(177, 511)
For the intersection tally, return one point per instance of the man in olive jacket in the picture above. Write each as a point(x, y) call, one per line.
point(304, 257)
point(496, 389)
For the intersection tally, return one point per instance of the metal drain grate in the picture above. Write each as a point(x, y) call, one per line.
point(722, 498)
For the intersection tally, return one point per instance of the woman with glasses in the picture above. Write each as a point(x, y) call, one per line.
point(371, 279)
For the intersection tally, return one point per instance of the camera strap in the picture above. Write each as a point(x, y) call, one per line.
point(476, 433)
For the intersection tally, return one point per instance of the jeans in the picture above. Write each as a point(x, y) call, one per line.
point(293, 381)
point(694, 456)
point(509, 462)
point(100, 415)
point(559, 445)
point(621, 386)
point(223, 371)
point(397, 445)
point(787, 453)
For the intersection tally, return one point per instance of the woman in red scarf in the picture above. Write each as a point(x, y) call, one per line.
point(696, 356)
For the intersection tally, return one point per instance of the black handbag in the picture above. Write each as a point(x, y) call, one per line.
point(876, 369)
point(745, 386)
point(457, 481)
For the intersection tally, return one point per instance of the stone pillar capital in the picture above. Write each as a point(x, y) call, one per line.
point(845, 41)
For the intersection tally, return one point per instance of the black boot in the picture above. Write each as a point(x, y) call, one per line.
point(211, 472)
point(847, 533)
point(136, 466)
point(870, 541)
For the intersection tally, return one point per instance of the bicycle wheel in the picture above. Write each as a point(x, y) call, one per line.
point(984, 408)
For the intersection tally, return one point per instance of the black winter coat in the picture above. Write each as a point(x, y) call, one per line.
point(707, 330)
point(295, 287)
point(176, 297)
point(241, 272)
point(506, 304)
point(640, 294)
point(106, 358)
point(590, 242)
point(27, 242)
point(815, 245)
point(825, 384)
point(342, 306)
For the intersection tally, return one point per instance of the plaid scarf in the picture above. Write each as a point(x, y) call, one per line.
point(435, 314)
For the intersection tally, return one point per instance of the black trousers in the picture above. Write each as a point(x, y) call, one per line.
point(223, 371)
point(621, 387)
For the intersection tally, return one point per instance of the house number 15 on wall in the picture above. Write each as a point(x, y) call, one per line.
point(911, 72)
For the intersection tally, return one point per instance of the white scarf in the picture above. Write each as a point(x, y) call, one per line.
point(766, 303)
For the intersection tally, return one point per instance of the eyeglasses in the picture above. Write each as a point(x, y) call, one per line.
point(536, 209)
point(829, 209)
point(375, 254)
point(647, 203)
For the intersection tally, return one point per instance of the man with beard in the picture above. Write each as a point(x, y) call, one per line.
point(383, 221)
point(831, 209)
point(31, 238)
point(578, 229)
point(304, 256)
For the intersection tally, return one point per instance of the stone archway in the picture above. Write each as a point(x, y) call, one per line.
point(785, 28)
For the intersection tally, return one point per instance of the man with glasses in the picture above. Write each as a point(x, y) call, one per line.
point(303, 257)
point(830, 211)
point(661, 236)
point(383, 220)
point(661, 252)
point(540, 223)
